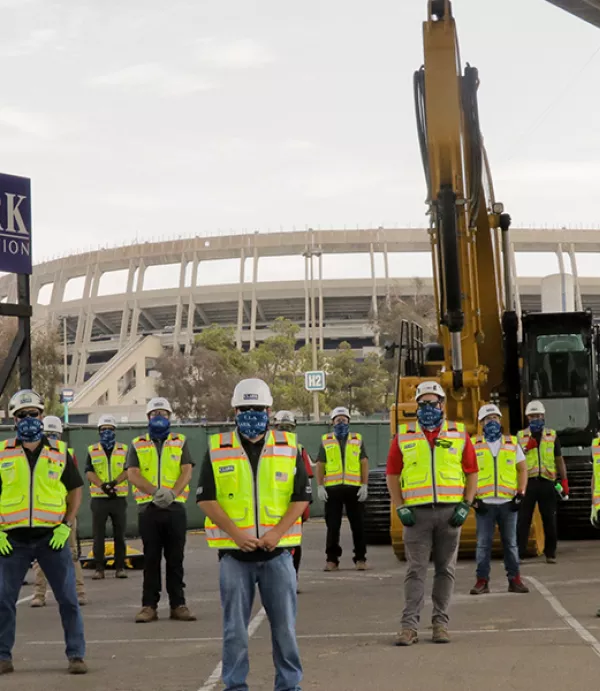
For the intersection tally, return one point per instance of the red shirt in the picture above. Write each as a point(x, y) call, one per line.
point(395, 462)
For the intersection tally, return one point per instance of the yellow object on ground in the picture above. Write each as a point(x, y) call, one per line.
point(134, 560)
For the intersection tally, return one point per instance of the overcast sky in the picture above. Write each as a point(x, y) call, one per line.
point(142, 119)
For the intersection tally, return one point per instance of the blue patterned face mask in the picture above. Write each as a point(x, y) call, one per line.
point(537, 425)
point(341, 430)
point(159, 427)
point(107, 439)
point(252, 423)
point(52, 435)
point(492, 430)
point(429, 416)
point(30, 429)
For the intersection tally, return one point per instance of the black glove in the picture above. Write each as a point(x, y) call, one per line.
point(108, 489)
point(516, 501)
point(480, 507)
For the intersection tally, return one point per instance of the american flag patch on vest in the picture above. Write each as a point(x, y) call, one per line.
point(52, 475)
point(281, 477)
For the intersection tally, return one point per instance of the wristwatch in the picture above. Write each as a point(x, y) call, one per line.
point(69, 524)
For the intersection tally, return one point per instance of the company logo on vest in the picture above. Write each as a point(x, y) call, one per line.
point(15, 224)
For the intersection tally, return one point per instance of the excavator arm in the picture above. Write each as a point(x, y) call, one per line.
point(588, 10)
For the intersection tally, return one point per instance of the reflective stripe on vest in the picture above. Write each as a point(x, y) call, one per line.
point(348, 471)
point(163, 472)
point(596, 472)
point(108, 471)
point(430, 476)
point(238, 494)
point(29, 500)
point(544, 463)
point(497, 476)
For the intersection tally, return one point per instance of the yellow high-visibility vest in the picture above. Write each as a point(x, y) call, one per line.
point(163, 471)
point(430, 476)
point(32, 500)
point(497, 476)
point(596, 472)
point(108, 471)
point(348, 471)
point(542, 464)
point(254, 507)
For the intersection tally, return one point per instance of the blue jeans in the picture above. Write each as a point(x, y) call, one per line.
point(60, 572)
point(507, 523)
point(276, 579)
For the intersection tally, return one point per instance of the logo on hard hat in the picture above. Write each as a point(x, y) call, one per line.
point(26, 398)
point(251, 397)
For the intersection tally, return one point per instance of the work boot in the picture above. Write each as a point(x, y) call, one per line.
point(550, 560)
point(516, 585)
point(331, 566)
point(406, 637)
point(440, 634)
point(6, 667)
point(480, 587)
point(38, 601)
point(121, 573)
point(361, 566)
point(182, 613)
point(146, 614)
point(77, 666)
point(82, 599)
point(98, 575)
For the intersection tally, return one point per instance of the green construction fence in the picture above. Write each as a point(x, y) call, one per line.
point(376, 436)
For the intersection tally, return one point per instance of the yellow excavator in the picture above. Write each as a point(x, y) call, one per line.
point(478, 358)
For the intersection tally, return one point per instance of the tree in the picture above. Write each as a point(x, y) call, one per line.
point(418, 307)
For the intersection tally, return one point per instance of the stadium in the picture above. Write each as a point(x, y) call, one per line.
point(118, 308)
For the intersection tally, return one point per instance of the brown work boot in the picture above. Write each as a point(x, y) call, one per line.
point(361, 566)
point(98, 575)
point(406, 637)
point(440, 634)
point(77, 666)
point(516, 585)
point(6, 667)
point(121, 573)
point(331, 566)
point(182, 613)
point(480, 587)
point(38, 601)
point(146, 614)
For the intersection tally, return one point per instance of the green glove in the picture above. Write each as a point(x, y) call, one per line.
point(60, 535)
point(406, 515)
point(460, 514)
point(595, 521)
point(5, 547)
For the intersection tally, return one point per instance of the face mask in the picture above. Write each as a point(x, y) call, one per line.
point(429, 417)
point(52, 435)
point(537, 425)
point(492, 430)
point(30, 429)
point(341, 430)
point(159, 427)
point(252, 423)
point(107, 438)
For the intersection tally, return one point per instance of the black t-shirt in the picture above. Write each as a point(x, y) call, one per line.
point(207, 491)
point(134, 462)
point(70, 478)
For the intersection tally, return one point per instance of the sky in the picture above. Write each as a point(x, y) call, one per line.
point(142, 120)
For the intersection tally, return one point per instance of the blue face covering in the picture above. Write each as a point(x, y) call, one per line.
point(52, 435)
point(492, 430)
point(30, 429)
point(107, 439)
point(341, 430)
point(429, 417)
point(537, 425)
point(252, 423)
point(159, 427)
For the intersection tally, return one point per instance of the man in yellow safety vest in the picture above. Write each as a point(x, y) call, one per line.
point(53, 429)
point(432, 480)
point(106, 473)
point(595, 514)
point(40, 494)
point(501, 485)
point(159, 466)
point(343, 482)
point(545, 466)
point(253, 489)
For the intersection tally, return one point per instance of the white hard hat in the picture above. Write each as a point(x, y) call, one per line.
point(488, 409)
point(535, 408)
point(340, 410)
point(285, 416)
point(158, 404)
point(429, 387)
point(53, 424)
point(108, 420)
point(251, 392)
point(26, 398)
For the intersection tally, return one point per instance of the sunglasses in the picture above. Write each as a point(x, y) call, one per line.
point(22, 414)
point(255, 408)
point(428, 404)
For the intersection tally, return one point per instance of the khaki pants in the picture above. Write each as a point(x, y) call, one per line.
point(41, 584)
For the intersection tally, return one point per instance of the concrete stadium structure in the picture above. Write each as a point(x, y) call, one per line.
point(113, 340)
